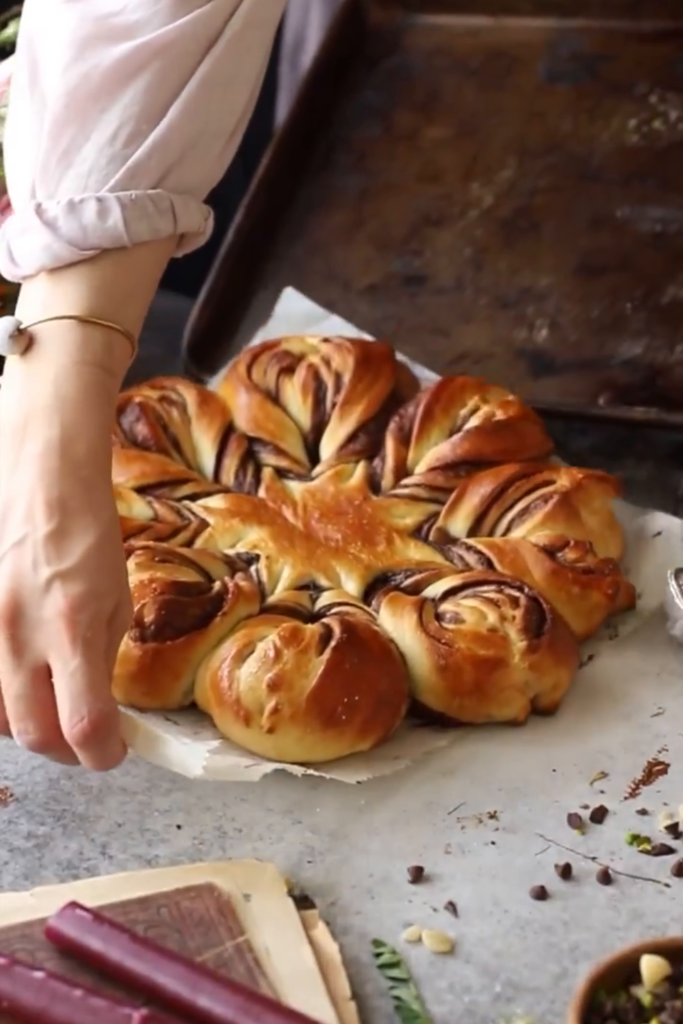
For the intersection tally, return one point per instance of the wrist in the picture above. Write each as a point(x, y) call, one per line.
point(116, 286)
point(57, 401)
point(66, 352)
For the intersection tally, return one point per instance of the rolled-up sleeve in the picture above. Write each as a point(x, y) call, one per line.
point(123, 115)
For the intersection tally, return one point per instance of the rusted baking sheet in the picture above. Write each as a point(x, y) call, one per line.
point(595, 10)
point(503, 199)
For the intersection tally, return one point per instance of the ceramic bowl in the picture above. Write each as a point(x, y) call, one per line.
point(613, 973)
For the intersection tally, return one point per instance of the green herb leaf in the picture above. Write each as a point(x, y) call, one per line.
point(402, 989)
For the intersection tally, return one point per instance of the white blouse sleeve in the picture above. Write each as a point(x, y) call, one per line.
point(122, 118)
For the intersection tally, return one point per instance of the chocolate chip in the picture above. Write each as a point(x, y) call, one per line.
point(677, 868)
point(643, 812)
point(661, 850)
point(604, 876)
point(674, 830)
point(575, 821)
point(598, 814)
point(415, 873)
point(539, 893)
point(564, 871)
point(451, 908)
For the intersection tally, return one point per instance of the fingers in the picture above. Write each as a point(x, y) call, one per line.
point(88, 714)
point(4, 723)
point(66, 711)
point(31, 713)
point(27, 707)
point(87, 711)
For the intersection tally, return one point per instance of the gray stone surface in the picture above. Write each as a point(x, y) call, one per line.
point(349, 847)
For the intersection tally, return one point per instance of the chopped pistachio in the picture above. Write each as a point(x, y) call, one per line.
point(642, 843)
point(644, 997)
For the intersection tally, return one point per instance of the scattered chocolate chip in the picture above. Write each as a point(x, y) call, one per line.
point(598, 814)
point(415, 873)
point(585, 807)
point(539, 893)
point(575, 821)
point(604, 876)
point(564, 871)
point(661, 850)
point(643, 812)
point(674, 830)
point(677, 868)
point(451, 908)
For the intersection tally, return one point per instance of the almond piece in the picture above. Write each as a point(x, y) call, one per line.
point(653, 970)
point(437, 942)
point(413, 933)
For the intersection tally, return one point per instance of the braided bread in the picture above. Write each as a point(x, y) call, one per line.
point(583, 588)
point(525, 499)
point(480, 646)
point(448, 430)
point(312, 678)
point(319, 540)
point(184, 604)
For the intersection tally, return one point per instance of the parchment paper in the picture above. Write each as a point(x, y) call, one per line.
point(297, 952)
point(188, 744)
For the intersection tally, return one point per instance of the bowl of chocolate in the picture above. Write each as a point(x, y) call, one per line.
point(642, 984)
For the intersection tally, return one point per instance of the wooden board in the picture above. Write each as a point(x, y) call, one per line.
point(198, 921)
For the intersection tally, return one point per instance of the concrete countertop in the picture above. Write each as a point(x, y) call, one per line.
point(349, 847)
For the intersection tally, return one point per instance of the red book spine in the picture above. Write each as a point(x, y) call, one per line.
point(185, 987)
point(31, 995)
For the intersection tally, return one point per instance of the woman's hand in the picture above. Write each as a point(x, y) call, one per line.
point(64, 598)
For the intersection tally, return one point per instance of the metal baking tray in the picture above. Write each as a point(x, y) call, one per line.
point(499, 195)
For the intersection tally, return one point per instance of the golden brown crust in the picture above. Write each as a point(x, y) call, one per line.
point(190, 425)
point(583, 588)
point(308, 680)
point(145, 519)
point(176, 418)
point(308, 404)
point(318, 469)
point(452, 429)
point(158, 476)
point(525, 499)
point(184, 603)
point(360, 533)
point(282, 556)
point(480, 646)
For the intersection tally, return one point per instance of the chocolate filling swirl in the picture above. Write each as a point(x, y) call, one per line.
point(535, 621)
point(178, 608)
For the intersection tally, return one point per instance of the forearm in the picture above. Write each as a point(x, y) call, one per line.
point(69, 378)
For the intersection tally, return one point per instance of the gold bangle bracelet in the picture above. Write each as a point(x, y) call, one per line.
point(15, 337)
